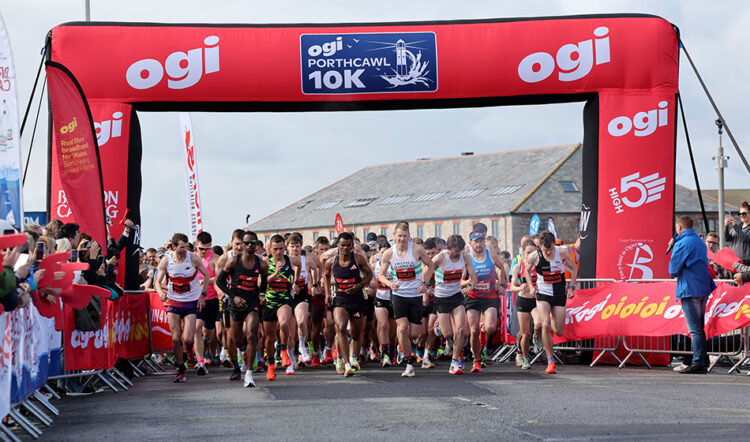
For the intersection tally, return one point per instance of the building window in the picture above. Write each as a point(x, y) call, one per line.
point(384, 231)
point(438, 230)
point(569, 186)
point(315, 236)
point(711, 224)
point(420, 231)
point(327, 205)
point(365, 232)
point(496, 228)
point(456, 228)
point(331, 234)
point(267, 238)
point(361, 202)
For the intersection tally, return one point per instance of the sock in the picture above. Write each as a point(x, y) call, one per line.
point(200, 360)
point(551, 360)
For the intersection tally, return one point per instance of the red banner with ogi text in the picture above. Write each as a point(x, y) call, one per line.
point(123, 334)
point(74, 145)
point(626, 309)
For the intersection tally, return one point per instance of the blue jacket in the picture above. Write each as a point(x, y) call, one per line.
point(689, 264)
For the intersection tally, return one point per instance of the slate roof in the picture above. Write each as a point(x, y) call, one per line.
point(734, 197)
point(477, 185)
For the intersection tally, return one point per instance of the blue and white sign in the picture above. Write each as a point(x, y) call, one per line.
point(551, 226)
point(38, 218)
point(534, 225)
point(369, 63)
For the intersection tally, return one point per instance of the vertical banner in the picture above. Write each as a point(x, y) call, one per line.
point(11, 206)
point(338, 222)
point(5, 365)
point(161, 335)
point(191, 176)
point(74, 144)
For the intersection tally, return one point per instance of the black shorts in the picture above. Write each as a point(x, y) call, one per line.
point(405, 307)
point(209, 313)
point(370, 309)
point(481, 304)
point(525, 305)
point(554, 300)
point(269, 314)
point(299, 298)
point(238, 314)
point(386, 304)
point(354, 304)
point(447, 305)
point(429, 310)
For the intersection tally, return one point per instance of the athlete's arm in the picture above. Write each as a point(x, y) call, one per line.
point(296, 263)
point(221, 278)
point(421, 255)
point(212, 268)
point(567, 260)
point(220, 263)
point(327, 281)
point(385, 263)
point(328, 254)
point(530, 262)
point(499, 260)
point(161, 273)
point(364, 267)
point(263, 280)
point(438, 260)
point(198, 263)
point(515, 285)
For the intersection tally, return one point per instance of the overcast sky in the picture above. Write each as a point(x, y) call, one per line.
point(295, 154)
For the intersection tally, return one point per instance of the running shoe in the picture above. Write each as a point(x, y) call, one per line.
point(236, 375)
point(340, 365)
point(408, 372)
point(348, 370)
point(551, 368)
point(373, 353)
point(290, 371)
point(386, 362)
point(202, 371)
point(461, 363)
point(420, 354)
point(223, 355)
point(426, 363)
point(213, 360)
point(277, 354)
point(455, 368)
point(328, 359)
point(353, 362)
point(285, 362)
point(315, 361)
point(181, 377)
point(249, 382)
point(538, 347)
point(477, 368)
point(519, 359)
point(243, 366)
point(271, 373)
point(304, 356)
point(525, 364)
point(436, 329)
point(483, 341)
point(400, 357)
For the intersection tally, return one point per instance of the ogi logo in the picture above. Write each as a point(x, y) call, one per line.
point(634, 257)
point(108, 129)
point(183, 69)
point(649, 189)
point(368, 63)
point(540, 65)
point(644, 122)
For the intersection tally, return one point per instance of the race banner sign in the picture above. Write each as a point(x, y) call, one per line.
point(627, 309)
point(161, 336)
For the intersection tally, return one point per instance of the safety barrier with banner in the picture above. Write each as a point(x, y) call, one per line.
point(161, 336)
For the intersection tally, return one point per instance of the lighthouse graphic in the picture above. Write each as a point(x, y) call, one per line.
point(410, 69)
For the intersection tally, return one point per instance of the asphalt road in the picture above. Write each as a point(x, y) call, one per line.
point(501, 403)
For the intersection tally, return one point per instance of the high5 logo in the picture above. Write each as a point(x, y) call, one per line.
point(648, 189)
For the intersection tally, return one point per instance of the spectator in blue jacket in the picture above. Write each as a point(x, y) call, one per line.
point(689, 264)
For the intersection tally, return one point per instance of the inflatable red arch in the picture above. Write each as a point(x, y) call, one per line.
point(624, 67)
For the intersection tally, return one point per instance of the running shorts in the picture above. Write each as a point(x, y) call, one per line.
point(181, 308)
point(553, 300)
point(447, 305)
point(354, 305)
point(408, 307)
point(386, 304)
point(480, 304)
point(525, 305)
point(209, 313)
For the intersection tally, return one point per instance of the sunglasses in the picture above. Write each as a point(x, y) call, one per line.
point(247, 243)
point(743, 213)
point(204, 248)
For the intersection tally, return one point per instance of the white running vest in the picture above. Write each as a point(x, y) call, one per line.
point(408, 272)
point(448, 279)
point(184, 285)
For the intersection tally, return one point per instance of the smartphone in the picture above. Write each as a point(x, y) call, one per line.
point(40, 250)
point(74, 255)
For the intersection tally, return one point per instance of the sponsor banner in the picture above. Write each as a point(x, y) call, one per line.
point(369, 62)
point(38, 218)
point(724, 257)
point(534, 224)
point(34, 352)
point(636, 185)
point(11, 203)
point(191, 177)
point(123, 334)
point(77, 157)
point(338, 223)
point(152, 63)
point(161, 335)
point(627, 309)
point(5, 365)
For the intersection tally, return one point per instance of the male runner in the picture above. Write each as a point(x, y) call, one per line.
point(525, 303)
point(283, 271)
point(429, 316)
point(551, 290)
point(348, 300)
point(407, 282)
point(450, 265)
point(185, 295)
point(318, 309)
point(482, 300)
point(386, 322)
point(205, 324)
point(306, 285)
point(248, 273)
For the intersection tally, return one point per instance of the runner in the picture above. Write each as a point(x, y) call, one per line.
point(283, 271)
point(205, 323)
point(318, 309)
point(306, 285)
point(184, 296)
point(248, 279)
point(407, 282)
point(347, 300)
point(429, 316)
point(482, 300)
point(551, 290)
point(525, 303)
point(450, 265)
point(386, 327)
